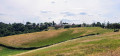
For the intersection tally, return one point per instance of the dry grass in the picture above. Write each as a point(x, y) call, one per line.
point(74, 47)
point(89, 46)
point(77, 30)
point(1, 48)
point(108, 53)
point(18, 40)
point(91, 40)
point(24, 40)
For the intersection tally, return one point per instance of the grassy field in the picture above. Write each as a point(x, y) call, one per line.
point(23, 39)
point(107, 44)
point(7, 52)
point(39, 39)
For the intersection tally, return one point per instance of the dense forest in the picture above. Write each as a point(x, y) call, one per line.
point(20, 28)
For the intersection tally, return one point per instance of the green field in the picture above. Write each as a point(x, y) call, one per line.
point(51, 37)
point(107, 44)
point(7, 52)
point(48, 37)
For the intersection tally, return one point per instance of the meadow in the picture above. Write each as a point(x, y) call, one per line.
point(107, 44)
point(50, 37)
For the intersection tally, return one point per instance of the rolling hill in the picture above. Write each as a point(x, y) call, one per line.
point(107, 44)
point(45, 39)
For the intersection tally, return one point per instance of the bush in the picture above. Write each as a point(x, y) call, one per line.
point(46, 29)
point(117, 30)
point(67, 26)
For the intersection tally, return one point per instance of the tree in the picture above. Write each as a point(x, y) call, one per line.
point(34, 25)
point(103, 25)
point(84, 25)
point(93, 24)
point(108, 25)
point(28, 23)
point(98, 24)
point(53, 23)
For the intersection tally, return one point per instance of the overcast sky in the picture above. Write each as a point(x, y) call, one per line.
point(74, 11)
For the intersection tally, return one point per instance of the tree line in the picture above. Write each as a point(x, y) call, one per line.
point(107, 25)
point(20, 28)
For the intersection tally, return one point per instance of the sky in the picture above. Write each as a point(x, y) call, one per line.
point(71, 11)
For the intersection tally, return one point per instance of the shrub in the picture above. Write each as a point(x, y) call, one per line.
point(67, 26)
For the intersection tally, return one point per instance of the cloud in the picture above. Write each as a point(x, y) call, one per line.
point(43, 10)
point(53, 2)
point(83, 13)
point(1, 14)
point(8, 19)
point(68, 13)
point(66, 20)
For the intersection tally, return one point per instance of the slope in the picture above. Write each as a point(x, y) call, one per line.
point(107, 44)
point(45, 38)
